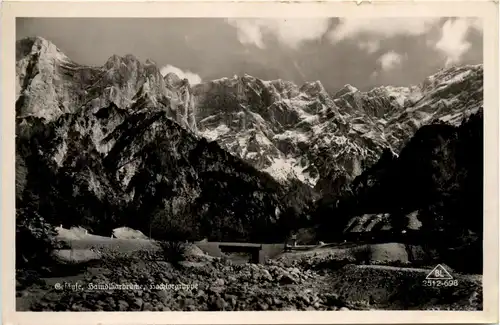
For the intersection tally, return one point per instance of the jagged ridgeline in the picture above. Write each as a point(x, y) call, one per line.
point(440, 168)
point(239, 158)
point(112, 146)
point(437, 179)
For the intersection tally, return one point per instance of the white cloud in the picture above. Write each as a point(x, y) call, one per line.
point(369, 46)
point(290, 32)
point(249, 32)
point(390, 60)
point(192, 77)
point(349, 28)
point(453, 42)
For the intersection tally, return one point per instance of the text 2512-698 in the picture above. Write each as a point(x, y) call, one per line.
point(440, 283)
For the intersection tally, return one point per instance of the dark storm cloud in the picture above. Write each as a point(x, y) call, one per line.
point(364, 53)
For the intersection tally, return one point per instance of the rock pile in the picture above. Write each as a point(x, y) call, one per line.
point(213, 285)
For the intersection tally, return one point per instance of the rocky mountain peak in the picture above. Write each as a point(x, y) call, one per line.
point(313, 88)
point(116, 61)
point(450, 75)
point(275, 125)
point(113, 60)
point(40, 47)
point(346, 89)
point(247, 77)
point(172, 80)
point(49, 85)
point(42, 74)
point(150, 62)
point(244, 159)
point(303, 133)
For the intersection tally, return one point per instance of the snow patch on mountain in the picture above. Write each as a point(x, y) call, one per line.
point(271, 124)
point(284, 169)
point(214, 134)
point(292, 135)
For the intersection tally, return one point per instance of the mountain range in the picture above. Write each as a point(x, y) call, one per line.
point(233, 158)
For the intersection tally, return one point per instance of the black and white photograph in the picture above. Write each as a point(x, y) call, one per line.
point(249, 164)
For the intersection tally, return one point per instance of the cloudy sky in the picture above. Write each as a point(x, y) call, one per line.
point(336, 51)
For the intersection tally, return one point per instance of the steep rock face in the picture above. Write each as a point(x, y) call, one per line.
point(155, 176)
point(106, 144)
point(303, 133)
point(285, 130)
point(451, 95)
point(49, 84)
point(125, 151)
point(436, 181)
point(380, 102)
point(224, 197)
point(291, 132)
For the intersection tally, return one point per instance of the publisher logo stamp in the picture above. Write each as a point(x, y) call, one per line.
point(440, 277)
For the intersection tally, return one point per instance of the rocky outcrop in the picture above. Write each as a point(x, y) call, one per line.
point(433, 186)
point(451, 96)
point(130, 141)
point(144, 170)
point(49, 85)
point(380, 102)
point(304, 133)
point(285, 130)
point(291, 132)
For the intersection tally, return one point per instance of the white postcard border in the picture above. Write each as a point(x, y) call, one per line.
point(487, 10)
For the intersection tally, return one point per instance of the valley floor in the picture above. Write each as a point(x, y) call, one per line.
point(317, 279)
